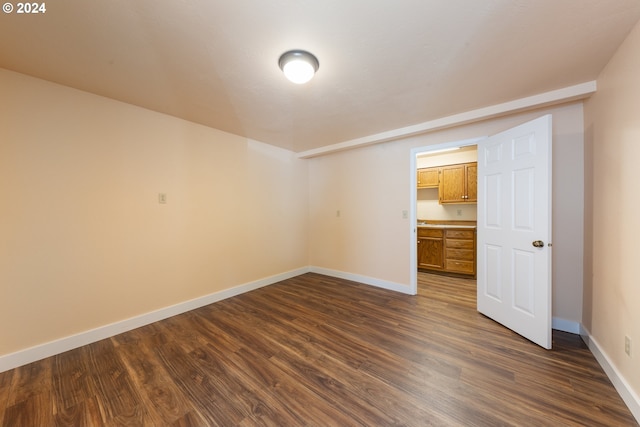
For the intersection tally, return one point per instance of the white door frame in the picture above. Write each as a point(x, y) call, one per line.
point(413, 218)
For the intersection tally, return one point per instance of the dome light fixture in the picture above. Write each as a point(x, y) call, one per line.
point(299, 66)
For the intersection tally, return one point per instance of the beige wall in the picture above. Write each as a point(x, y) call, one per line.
point(84, 242)
point(612, 285)
point(371, 188)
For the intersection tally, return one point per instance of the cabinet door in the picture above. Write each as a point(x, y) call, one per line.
point(458, 183)
point(430, 253)
point(428, 177)
point(471, 172)
point(451, 189)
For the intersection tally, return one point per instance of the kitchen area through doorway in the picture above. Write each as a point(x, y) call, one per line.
point(446, 211)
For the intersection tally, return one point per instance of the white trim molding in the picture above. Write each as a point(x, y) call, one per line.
point(32, 354)
point(565, 326)
point(371, 281)
point(628, 395)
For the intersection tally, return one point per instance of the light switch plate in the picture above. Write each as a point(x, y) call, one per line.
point(627, 346)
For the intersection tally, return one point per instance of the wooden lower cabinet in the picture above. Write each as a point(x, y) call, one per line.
point(460, 251)
point(449, 250)
point(431, 248)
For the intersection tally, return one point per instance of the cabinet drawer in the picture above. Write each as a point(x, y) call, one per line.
point(430, 232)
point(459, 244)
point(461, 234)
point(460, 266)
point(460, 254)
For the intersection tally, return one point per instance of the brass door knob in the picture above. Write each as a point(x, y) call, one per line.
point(538, 243)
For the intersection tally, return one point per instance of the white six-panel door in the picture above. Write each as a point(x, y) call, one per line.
point(514, 229)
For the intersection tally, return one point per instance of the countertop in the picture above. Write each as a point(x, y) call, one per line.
point(427, 225)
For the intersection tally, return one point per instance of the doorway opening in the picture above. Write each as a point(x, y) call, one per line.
point(426, 206)
point(513, 228)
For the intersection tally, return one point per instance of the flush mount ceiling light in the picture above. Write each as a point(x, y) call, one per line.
point(299, 66)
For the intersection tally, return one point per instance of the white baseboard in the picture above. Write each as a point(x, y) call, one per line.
point(628, 395)
point(23, 357)
point(379, 283)
point(565, 325)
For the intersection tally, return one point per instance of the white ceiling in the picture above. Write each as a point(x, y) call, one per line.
point(384, 64)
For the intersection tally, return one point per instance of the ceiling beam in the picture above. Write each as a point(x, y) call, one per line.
point(567, 94)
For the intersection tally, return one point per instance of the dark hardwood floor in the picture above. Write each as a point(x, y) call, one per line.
point(319, 351)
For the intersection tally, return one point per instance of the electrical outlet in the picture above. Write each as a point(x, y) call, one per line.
point(162, 198)
point(405, 214)
point(627, 346)
point(338, 213)
point(459, 212)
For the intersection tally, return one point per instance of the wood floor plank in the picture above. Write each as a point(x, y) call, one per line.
point(5, 391)
point(190, 419)
point(216, 405)
point(72, 384)
point(159, 395)
point(320, 351)
point(260, 405)
point(298, 348)
point(29, 380)
point(285, 394)
point(35, 409)
point(84, 413)
point(118, 398)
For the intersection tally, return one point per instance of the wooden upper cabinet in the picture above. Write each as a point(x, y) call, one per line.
point(428, 178)
point(471, 172)
point(458, 183)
